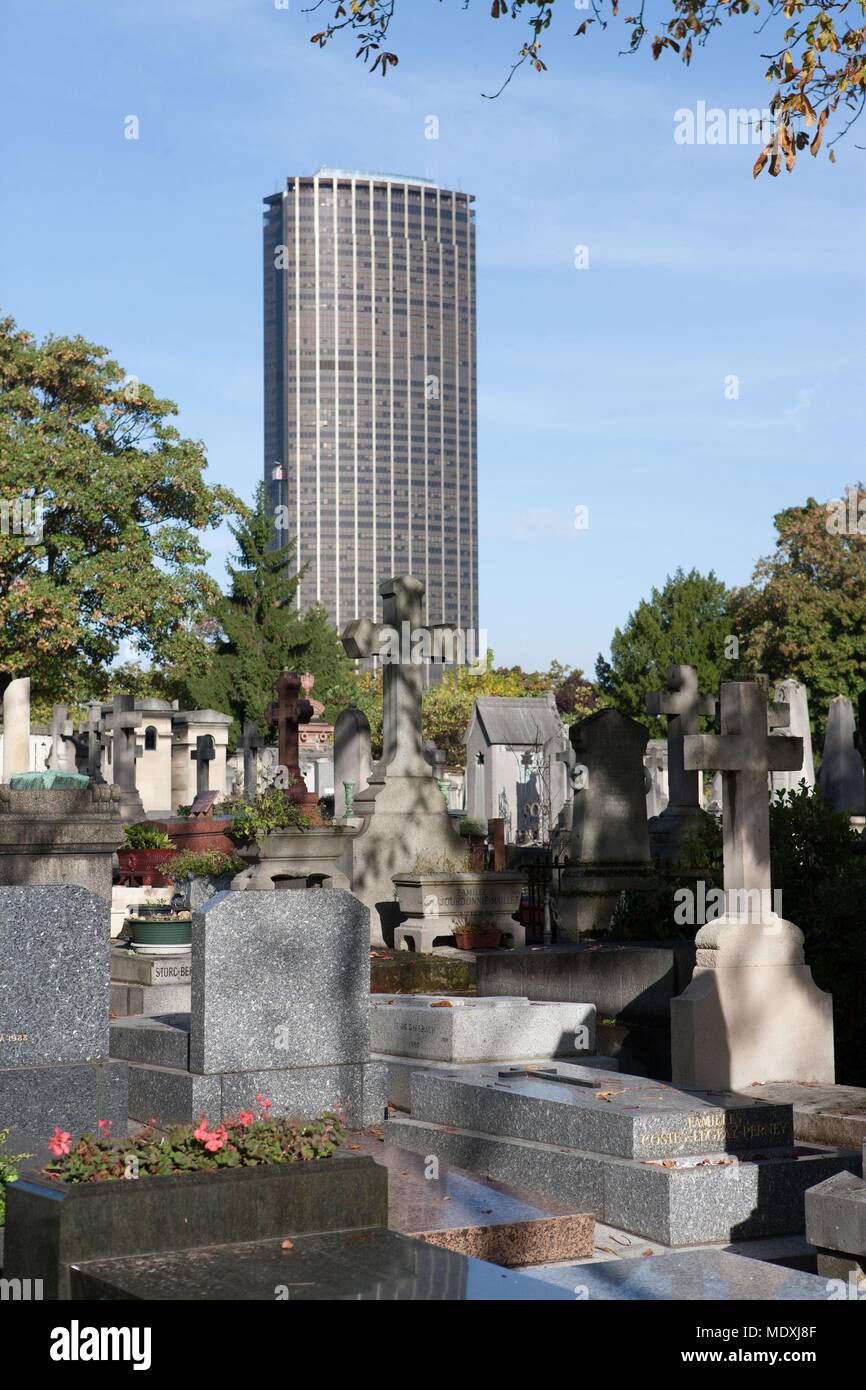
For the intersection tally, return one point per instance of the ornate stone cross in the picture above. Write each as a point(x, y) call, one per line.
point(399, 641)
point(745, 752)
point(288, 713)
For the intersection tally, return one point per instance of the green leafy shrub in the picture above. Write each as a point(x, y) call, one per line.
point(146, 837)
point(8, 1171)
point(205, 864)
point(247, 1140)
point(271, 810)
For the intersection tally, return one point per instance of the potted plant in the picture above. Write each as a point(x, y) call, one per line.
point(197, 876)
point(160, 933)
point(475, 935)
point(145, 850)
point(8, 1171)
point(270, 810)
point(249, 1177)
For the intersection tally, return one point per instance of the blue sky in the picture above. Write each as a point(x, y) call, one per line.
point(602, 387)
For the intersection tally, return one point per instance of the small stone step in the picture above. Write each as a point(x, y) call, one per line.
point(162, 1041)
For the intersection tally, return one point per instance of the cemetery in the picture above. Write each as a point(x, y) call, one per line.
point(197, 1018)
point(432, 679)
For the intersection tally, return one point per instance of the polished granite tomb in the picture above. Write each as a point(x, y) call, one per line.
point(679, 1167)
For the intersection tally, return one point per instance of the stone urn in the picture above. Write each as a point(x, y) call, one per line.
point(434, 905)
point(315, 857)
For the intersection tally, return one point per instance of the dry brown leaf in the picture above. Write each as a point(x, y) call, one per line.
point(287, 1245)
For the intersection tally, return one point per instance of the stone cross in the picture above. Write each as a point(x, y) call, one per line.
point(202, 755)
point(399, 641)
point(94, 741)
point(62, 755)
point(249, 745)
point(683, 705)
point(122, 722)
point(745, 753)
point(289, 712)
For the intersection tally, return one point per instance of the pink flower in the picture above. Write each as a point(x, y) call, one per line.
point(202, 1132)
point(246, 1117)
point(216, 1140)
point(104, 1127)
point(265, 1104)
point(59, 1142)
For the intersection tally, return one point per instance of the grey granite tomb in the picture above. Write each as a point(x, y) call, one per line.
point(679, 1167)
point(280, 1006)
point(836, 1225)
point(54, 1067)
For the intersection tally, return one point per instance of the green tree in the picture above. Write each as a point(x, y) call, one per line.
point(260, 632)
point(804, 614)
point(101, 502)
point(686, 622)
point(817, 51)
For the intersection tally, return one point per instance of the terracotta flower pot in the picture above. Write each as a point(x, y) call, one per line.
point(201, 834)
point(478, 941)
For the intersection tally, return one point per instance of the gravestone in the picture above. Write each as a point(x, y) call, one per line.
point(121, 722)
point(795, 697)
point(840, 777)
point(280, 1006)
point(54, 1067)
point(88, 745)
point(351, 755)
point(250, 744)
point(16, 727)
point(610, 852)
point(683, 705)
point(752, 1011)
point(203, 755)
point(406, 815)
point(681, 1167)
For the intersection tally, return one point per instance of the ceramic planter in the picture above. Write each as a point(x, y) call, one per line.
point(478, 941)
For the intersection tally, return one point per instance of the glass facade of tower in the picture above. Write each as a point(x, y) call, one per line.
point(370, 398)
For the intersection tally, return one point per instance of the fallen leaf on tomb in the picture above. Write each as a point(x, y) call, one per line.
point(377, 1133)
point(647, 1252)
point(354, 1146)
point(669, 1163)
point(287, 1245)
point(442, 1004)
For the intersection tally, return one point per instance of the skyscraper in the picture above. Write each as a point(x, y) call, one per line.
point(370, 398)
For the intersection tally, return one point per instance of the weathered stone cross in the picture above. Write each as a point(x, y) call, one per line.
point(399, 641)
point(202, 755)
point(683, 705)
point(289, 712)
point(249, 745)
point(745, 753)
point(122, 723)
point(62, 755)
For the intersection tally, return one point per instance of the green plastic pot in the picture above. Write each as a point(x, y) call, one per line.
point(147, 933)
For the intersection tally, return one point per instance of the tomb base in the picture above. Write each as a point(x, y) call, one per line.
point(669, 831)
point(752, 1012)
point(295, 858)
point(162, 1088)
point(590, 892)
point(75, 1096)
point(406, 823)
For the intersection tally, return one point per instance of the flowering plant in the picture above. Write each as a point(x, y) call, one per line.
point(248, 1139)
